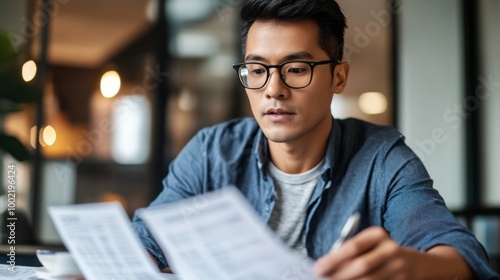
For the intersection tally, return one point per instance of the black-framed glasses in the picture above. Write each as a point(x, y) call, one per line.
point(294, 74)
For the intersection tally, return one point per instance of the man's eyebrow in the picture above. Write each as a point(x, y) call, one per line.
point(254, 57)
point(299, 55)
point(293, 56)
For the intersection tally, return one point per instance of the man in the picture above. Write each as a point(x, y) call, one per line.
point(305, 172)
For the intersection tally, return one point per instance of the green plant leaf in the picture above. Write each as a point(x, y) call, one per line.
point(13, 90)
point(17, 90)
point(11, 145)
point(7, 51)
point(7, 107)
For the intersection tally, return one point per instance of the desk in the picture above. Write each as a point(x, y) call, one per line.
point(25, 254)
point(29, 273)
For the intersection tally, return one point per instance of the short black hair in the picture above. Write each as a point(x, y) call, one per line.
point(326, 13)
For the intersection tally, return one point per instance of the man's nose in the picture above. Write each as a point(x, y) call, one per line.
point(275, 86)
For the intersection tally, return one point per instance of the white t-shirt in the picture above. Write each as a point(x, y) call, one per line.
point(293, 192)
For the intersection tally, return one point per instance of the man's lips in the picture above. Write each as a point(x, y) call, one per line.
point(277, 111)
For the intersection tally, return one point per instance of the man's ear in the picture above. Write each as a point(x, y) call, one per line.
point(341, 73)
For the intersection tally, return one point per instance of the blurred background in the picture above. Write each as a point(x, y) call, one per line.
point(103, 94)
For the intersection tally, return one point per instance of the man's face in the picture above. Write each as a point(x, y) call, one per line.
point(285, 114)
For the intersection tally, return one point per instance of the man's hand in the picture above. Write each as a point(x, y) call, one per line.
point(372, 254)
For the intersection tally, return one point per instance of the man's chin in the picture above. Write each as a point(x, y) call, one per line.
point(279, 136)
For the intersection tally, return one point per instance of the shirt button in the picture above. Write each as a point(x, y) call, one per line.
point(267, 208)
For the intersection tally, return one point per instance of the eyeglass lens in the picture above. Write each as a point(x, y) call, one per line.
point(293, 74)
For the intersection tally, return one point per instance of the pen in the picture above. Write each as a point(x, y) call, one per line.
point(349, 229)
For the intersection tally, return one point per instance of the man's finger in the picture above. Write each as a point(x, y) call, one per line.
point(357, 245)
point(369, 262)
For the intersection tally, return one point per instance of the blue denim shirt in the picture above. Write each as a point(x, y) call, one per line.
point(367, 168)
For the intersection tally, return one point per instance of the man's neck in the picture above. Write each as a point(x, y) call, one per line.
point(302, 154)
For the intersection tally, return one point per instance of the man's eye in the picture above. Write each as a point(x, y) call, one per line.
point(297, 70)
point(258, 71)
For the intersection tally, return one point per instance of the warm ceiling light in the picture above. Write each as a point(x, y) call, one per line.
point(29, 70)
point(49, 135)
point(372, 103)
point(110, 84)
point(187, 101)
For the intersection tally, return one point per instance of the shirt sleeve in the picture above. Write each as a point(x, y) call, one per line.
point(416, 215)
point(185, 178)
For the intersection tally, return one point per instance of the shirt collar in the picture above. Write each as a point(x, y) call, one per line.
point(332, 150)
point(262, 152)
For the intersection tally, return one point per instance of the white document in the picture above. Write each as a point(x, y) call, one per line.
point(218, 236)
point(102, 242)
point(19, 273)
